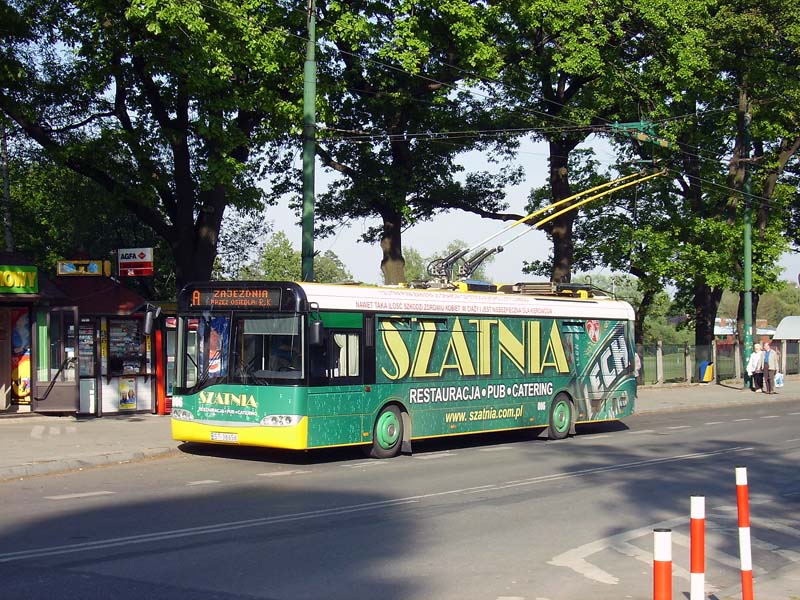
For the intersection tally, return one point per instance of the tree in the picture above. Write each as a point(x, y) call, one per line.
point(165, 105)
point(81, 220)
point(279, 261)
point(398, 79)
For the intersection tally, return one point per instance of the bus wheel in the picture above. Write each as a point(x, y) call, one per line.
point(560, 417)
point(387, 436)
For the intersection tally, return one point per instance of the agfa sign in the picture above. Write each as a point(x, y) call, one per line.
point(135, 262)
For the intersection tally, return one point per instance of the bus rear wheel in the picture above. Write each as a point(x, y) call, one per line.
point(387, 437)
point(560, 417)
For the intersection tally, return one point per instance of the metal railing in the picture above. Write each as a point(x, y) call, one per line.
point(721, 361)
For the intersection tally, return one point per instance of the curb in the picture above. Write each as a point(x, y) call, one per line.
point(55, 467)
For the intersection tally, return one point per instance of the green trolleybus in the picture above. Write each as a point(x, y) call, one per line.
point(307, 365)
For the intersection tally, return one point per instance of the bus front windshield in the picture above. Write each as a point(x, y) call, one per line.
point(242, 349)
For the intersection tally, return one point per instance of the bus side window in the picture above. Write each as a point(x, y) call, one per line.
point(345, 351)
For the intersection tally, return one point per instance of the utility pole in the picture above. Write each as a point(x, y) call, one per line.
point(309, 146)
point(748, 247)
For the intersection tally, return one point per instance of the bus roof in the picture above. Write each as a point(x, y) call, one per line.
point(407, 300)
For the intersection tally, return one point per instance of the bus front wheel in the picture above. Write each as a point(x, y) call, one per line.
point(387, 437)
point(560, 417)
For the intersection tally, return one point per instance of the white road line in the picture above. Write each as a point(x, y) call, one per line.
point(495, 449)
point(281, 473)
point(593, 437)
point(680, 427)
point(714, 423)
point(793, 440)
point(82, 495)
point(194, 531)
point(716, 555)
point(771, 417)
point(202, 482)
point(740, 420)
point(434, 455)
point(641, 432)
point(575, 558)
point(623, 466)
point(366, 463)
point(794, 414)
point(226, 527)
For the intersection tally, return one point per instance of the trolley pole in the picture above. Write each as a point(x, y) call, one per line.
point(309, 146)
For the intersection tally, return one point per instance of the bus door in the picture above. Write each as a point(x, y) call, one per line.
point(56, 381)
point(337, 395)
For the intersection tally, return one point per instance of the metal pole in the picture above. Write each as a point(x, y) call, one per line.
point(309, 147)
point(748, 249)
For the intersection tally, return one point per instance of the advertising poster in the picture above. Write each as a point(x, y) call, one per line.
point(127, 393)
point(20, 357)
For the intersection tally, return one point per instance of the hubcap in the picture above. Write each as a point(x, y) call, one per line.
point(561, 416)
point(388, 430)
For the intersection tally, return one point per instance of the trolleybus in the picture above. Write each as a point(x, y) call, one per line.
point(305, 365)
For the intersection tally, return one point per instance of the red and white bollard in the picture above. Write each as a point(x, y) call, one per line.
point(662, 564)
point(697, 531)
point(746, 559)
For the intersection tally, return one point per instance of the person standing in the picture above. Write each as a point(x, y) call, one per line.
point(771, 366)
point(755, 369)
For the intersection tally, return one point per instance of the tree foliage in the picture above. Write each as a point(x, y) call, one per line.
point(165, 105)
point(279, 261)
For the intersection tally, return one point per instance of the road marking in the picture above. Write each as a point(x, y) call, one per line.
point(680, 427)
point(82, 495)
point(642, 431)
point(770, 417)
point(623, 466)
point(593, 436)
point(281, 473)
point(795, 414)
point(226, 527)
point(366, 463)
point(575, 558)
point(714, 423)
point(434, 455)
point(202, 482)
point(201, 530)
point(740, 420)
point(495, 449)
point(793, 440)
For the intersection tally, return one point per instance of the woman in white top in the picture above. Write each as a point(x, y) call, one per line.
point(755, 369)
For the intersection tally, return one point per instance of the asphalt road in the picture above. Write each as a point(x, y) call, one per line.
point(490, 518)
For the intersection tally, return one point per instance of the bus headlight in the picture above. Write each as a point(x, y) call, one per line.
point(280, 420)
point(181, 414)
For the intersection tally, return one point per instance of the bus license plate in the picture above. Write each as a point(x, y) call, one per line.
point(218, 436)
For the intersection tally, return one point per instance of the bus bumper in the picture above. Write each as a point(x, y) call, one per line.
point(289, 438)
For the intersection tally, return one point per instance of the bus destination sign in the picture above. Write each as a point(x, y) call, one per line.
point(235, 297)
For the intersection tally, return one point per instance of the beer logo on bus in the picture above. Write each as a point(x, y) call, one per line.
point(477, 347)
point(593, 329)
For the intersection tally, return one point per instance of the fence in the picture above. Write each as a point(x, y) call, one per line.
point(674, 363)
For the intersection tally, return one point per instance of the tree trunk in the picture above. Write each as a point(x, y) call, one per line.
point(561, 228)
point(706, 303)
point(392, 263)
point(641, 313)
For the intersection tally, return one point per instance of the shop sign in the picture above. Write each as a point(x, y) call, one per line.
point(135, 262)
point(19, 279)
point(80, 267)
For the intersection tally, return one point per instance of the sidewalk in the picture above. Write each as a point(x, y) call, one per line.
point(41, 445)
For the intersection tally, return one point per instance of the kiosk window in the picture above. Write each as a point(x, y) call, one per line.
point(126, 355)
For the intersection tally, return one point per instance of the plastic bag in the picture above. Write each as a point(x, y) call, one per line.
point(778, 379)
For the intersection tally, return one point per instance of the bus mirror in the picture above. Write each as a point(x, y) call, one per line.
point(316, 334)
point(149, 317)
